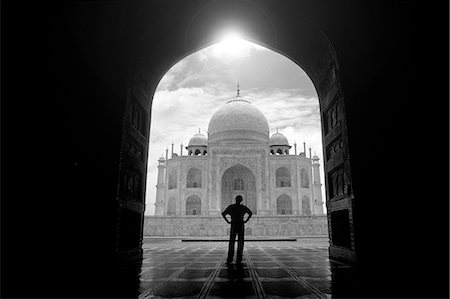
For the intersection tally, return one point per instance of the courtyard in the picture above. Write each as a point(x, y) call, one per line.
point(298, 268)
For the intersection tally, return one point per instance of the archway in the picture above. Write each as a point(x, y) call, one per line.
point(193, 205)
point(238, 180)
point(194, 178)
point(283, 177)
point(284, 204)
point(310, 49)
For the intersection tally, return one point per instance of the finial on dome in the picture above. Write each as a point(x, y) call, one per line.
point(238, 90)
point(199, 130)
point(277, 129)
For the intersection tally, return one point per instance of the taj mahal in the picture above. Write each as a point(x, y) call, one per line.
point(238, 157)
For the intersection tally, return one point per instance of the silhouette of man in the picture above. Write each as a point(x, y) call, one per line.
point(237, 212)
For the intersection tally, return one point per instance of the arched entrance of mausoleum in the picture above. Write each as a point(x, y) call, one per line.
point(238, 180)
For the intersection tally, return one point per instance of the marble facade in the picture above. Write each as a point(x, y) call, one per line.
point(238, 158)
point(277, 225)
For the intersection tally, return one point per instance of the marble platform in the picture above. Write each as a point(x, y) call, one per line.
point(202, 225)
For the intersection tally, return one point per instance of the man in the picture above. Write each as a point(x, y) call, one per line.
point(237, 212)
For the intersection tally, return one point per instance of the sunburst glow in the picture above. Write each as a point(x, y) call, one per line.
point(233, 45)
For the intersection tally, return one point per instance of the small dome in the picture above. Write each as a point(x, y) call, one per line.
point(278, 139)
point(198, 140)
point(315, 157)
point(238, 121)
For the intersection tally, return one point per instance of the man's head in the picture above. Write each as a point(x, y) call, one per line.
point(238, 199)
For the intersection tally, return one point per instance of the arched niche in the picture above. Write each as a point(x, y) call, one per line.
point(193, 205)
point(306, 45)
point(194, 178)
point(282, 177)
point(284, 204)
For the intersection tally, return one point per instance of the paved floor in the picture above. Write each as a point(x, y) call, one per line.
point(301, 269)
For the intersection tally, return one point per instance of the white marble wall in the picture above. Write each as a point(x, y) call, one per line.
point(280, 225)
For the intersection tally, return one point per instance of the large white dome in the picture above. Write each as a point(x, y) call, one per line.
point(238, 121)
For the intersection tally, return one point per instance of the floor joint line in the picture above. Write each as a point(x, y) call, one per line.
point(206, 289)
point(150, 291)
point(255, 279)
point(303, 282)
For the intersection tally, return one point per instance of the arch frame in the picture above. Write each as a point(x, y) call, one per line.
point(254, 177)
point(291, 203)
point(278, 177)
point(310, 49)
point(197, 203)
point(194, 184)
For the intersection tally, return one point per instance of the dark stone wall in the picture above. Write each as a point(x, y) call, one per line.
point(65, 75)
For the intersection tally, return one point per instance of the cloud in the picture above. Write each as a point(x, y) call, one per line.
point(193, 89)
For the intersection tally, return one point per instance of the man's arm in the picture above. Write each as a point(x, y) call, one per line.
point(224, 213)
point(249, 212)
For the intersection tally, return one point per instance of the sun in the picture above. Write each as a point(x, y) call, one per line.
point(232, 45)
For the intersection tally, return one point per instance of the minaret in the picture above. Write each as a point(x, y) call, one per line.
point(160, 188)
point(318, 203)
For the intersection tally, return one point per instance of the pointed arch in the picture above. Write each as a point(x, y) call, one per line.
point(193, 205)
point(283, 177)
point(238, 180)
point(194, 178)
point(284, 204)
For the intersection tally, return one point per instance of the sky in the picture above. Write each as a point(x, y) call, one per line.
point(197, 86)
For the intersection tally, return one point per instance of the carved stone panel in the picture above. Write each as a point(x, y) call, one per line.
point(331, 117)
point(135, 149)
point(338, 185)
point(249, 162)
point(334, 153)
point(131, 185)
point(138, 117)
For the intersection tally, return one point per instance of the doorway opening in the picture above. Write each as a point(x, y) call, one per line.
point(316, 56)
point(254, 143)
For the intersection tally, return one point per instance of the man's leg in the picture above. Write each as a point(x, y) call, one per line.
point(240, 246)
point(231, 246)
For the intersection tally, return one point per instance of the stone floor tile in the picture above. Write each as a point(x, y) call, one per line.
point(232, 289)
point(178, 289)
point(157, 274)
point(233, 273)
point(312, 272)
point(195, 273)
point(271, 273)
point(290, 289)
point(198, 265)
point(175, 269)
